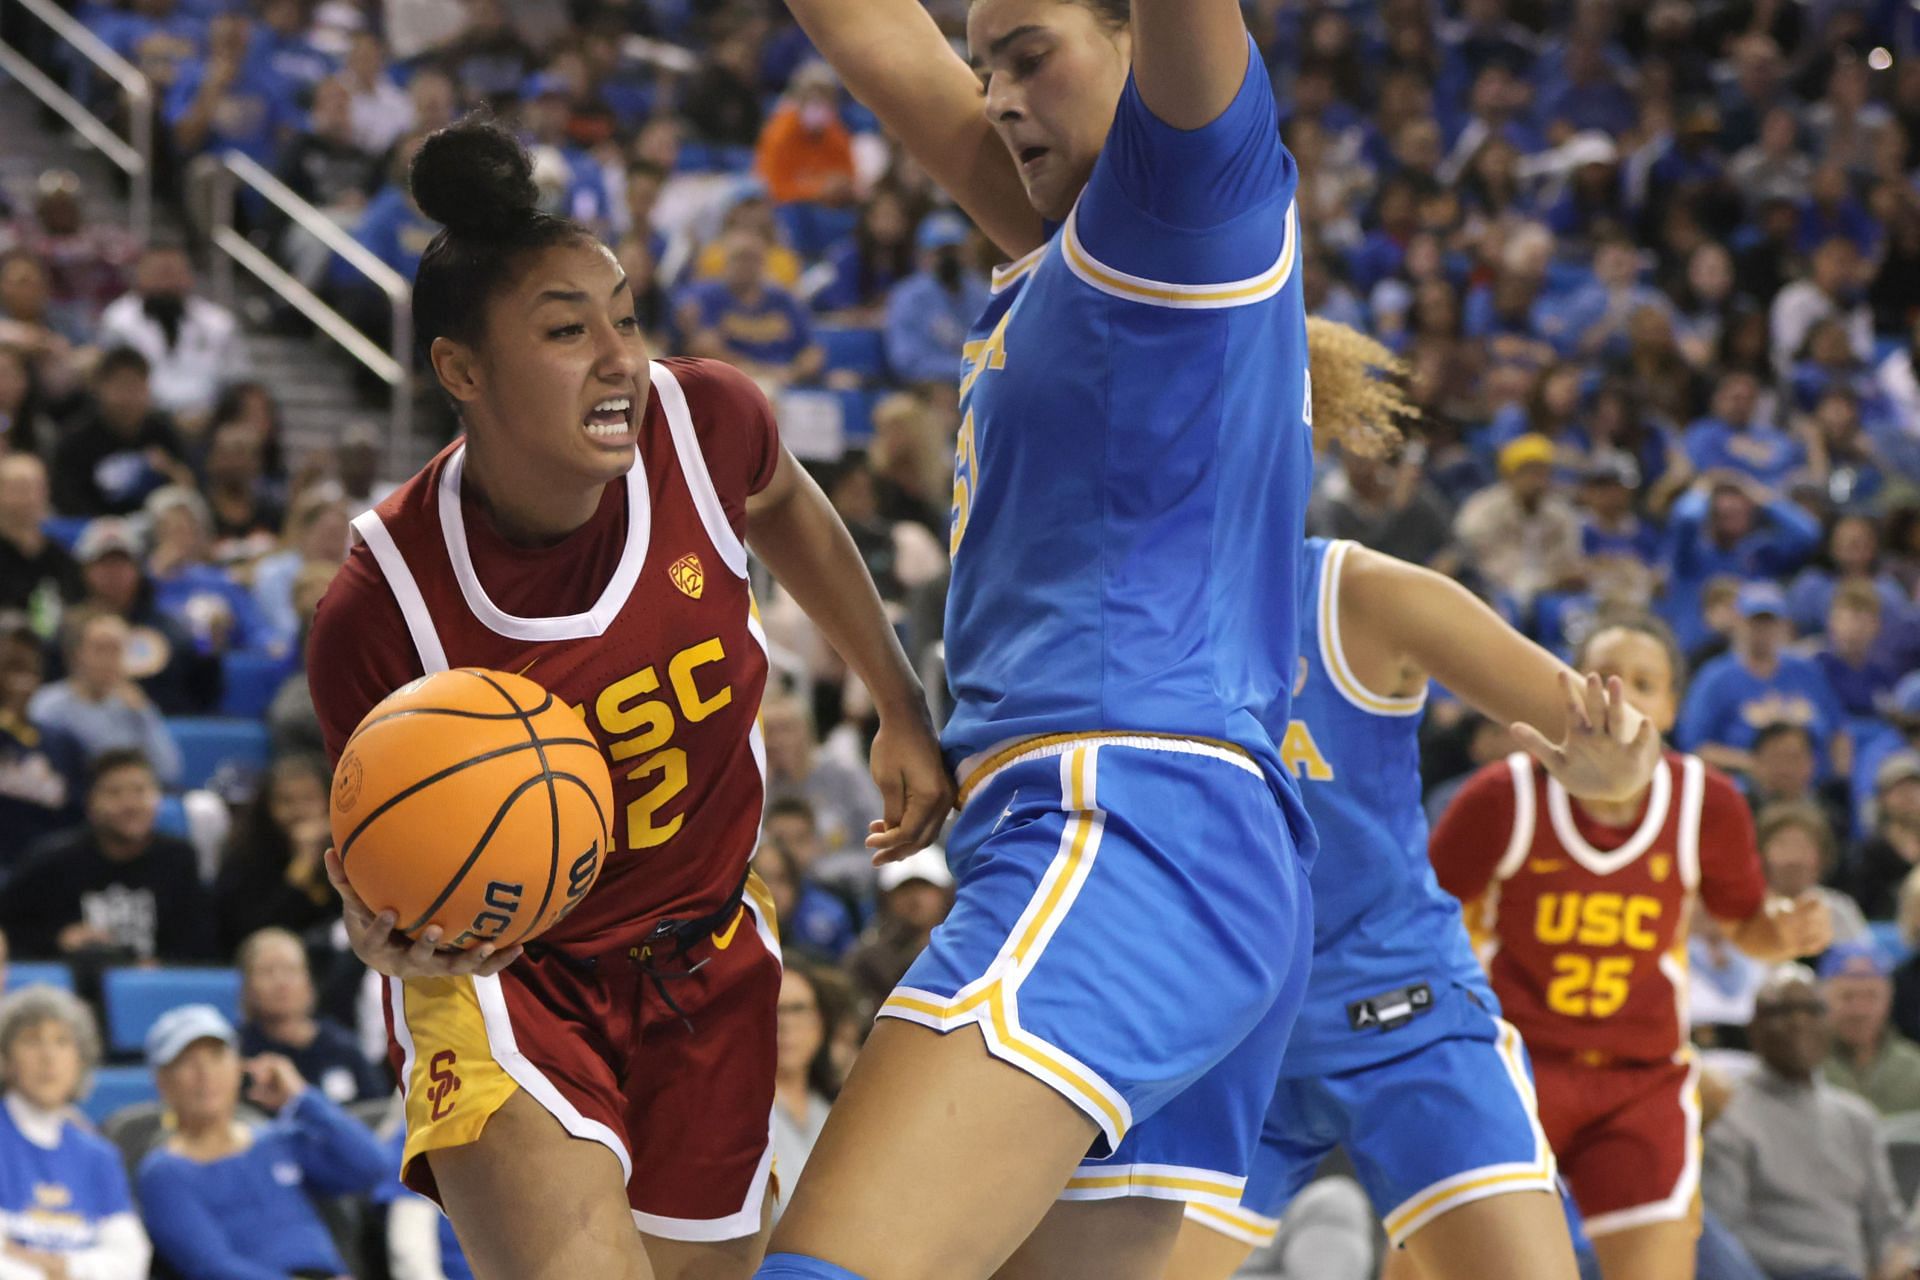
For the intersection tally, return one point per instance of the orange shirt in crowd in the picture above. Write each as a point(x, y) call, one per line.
point(801, 163)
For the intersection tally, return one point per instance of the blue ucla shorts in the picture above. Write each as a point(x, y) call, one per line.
point(1133, 928)
point(1448, 1123)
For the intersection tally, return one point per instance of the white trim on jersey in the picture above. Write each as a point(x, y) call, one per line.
point(693, 469)
point(1520, 839)
point(1004, 276)
point(580, 626)
point(1693, 795)
point(1181, 297)
point(745, 1222)
point(1679, 1202)
point(1560, 813)
point(1333, 650)
point(406, 592)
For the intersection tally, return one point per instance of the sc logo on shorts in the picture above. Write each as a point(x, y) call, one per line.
point(446, 1083)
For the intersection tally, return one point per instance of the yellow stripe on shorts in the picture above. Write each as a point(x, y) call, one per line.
point(455, 1085)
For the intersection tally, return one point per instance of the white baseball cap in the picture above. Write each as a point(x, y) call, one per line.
point(175, 1029)
point(930, 865)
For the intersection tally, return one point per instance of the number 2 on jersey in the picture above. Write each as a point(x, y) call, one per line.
point(641, 726)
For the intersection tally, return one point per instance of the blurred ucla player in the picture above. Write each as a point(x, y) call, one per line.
point(1132, 924)
point(1400, 1054)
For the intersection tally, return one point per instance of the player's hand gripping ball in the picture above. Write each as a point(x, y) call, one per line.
point(475, 801)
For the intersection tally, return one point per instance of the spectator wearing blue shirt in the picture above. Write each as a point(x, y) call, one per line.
point(861, 270)
point(1592, 320)
point(747, 320)
point(282, 43)
point(1620, 547)
point(65, 1207)
point(1590, 96)
point(1735, 436)
point(813, 919)
point(1830, 210)
point(392, 226)
point(930, 311)
point(228, 1202)
point(1729, 524)
point(1757, 683)
point(1859, 677)
point(232, 98)
point(98, 703)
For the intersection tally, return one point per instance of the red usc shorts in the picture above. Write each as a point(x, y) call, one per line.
point(687, 1112)
point(1627, 1137)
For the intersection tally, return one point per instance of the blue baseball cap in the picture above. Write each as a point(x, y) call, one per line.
point(175, 1029)
point(941, 230)
point(1861, 959)
point(1757, 599)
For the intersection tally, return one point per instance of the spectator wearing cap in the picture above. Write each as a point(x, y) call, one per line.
point(930, 312)
point(65, 1207)
point(1735, 436)
point(191, 344)
point(1832, 289)
point(1729, 524)
point(1887, 856)
point(1795, 1168)
point(915, 895)
point(42, 770)
point(112, 890)
point(161, 655)
point(1522, 536)
point(98, 702)
point(805, 154)
point(223, 1199)
point(277, 1002)
point(1798, 853)
point(1619, 546)
point(121, 447)
point(1757, 682)
point(1869, 1058)
point(747, 320)
point(37, 576)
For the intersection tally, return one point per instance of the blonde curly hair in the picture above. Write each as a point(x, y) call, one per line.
point(1358, 388)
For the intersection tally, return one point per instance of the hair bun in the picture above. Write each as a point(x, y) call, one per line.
point(475, 179)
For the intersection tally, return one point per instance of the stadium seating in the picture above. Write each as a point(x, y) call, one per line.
point(861, 351)
point(249, 681)
point(1886, 936)
point(117, 1088)
point(135, 998)
point(39, 973)
point(65, 530)
point(207, 743)
point(172, 818)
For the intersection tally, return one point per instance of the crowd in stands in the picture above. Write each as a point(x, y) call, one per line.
point(1653, 268)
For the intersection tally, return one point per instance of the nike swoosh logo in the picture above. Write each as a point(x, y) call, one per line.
point(721, 941)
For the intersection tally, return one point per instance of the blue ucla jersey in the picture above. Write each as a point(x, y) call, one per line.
point(55, 1200)
point(1382, 923)
point(1135, 454)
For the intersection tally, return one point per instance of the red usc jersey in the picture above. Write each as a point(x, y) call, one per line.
point(641, 619)
point(1583, 927)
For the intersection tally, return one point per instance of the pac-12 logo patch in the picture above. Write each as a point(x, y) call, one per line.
point(446, 1082)
point(688, 576)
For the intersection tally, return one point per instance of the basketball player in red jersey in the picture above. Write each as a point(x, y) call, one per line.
point(589, 531)
point(1580, 912)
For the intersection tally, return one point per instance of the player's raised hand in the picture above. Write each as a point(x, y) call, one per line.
point(1804, 924)
point(914, 787)
point(384, 949)
point(1609, 751)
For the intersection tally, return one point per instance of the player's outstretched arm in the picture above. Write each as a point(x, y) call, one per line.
point(1189, 58)
point(797, 534)
point(1402, 623)
point(894, 59)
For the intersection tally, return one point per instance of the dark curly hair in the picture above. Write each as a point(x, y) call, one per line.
point(476, 180)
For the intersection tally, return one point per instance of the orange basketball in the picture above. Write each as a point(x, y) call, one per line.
point(476, 801)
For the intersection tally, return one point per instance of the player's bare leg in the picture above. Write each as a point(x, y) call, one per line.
point(531, 1202)
point(1124, 1239)
point(936, 1162)
point(1201, 1253)
point(1657, 1251)
point(716, 1260)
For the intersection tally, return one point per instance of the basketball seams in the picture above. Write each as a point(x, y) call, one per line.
point(605, 825)
point(480, 847)
point(346, 846)
point(553, 797)
point(454, 712)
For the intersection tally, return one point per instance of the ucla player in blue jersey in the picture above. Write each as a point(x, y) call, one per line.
point(1129, 943)
point(1399, 1054)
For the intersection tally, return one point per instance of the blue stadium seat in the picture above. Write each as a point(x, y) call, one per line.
point(861, 351)
point(208, 742)
point(65, 530)
point(249, 681)
point(172, 819)
point(39, 973)
point(115, 1088)
point(812, 229)
point(135, 998)
point(856, 413)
